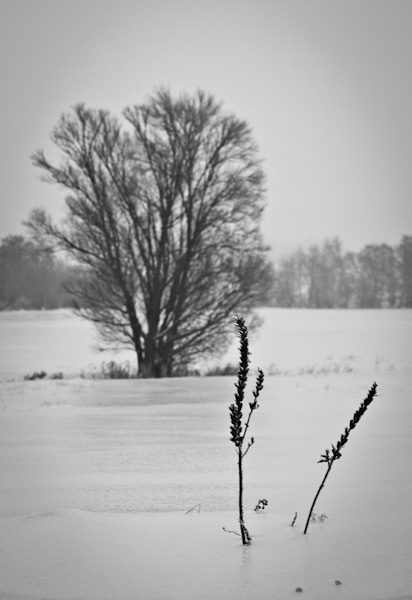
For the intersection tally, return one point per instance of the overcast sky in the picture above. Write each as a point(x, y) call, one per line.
point(326, 86)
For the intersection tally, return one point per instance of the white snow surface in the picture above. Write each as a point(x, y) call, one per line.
point(96, 478)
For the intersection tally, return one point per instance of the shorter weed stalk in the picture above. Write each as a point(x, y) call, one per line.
point(331, 455)
point(237, 429)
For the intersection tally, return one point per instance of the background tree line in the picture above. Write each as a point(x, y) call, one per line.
point(326, 276)
point(31, 277)
point(323, 276)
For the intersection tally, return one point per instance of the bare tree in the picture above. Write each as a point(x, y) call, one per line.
point(289, 288)
point(163, 213)
point(326, 275)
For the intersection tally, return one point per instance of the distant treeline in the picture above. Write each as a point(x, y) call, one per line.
point(31, 277)
point(322, 276)
point(325, 276)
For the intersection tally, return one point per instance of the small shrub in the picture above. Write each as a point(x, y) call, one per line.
point(321, 518)
point(114, 370)
point(261, 505)
point(111, 370)
point(57, 375)
point(228, 369)
point(331, 368)
point(35, 375)
point(272, 369)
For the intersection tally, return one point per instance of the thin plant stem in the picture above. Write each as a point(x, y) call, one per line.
point(244, 532)
point(336, 452)
point(237, 429)
point(316, 497)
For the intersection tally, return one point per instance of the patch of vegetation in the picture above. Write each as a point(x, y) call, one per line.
point(111, 370)
point(42, 375)
point(331, 368)
point(228, 369)
point(335, 367)
point(35, 375)
point(58, 375)
point(261, 505)
point(318, 518)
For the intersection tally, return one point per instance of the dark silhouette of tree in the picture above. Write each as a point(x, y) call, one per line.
point(163, 215)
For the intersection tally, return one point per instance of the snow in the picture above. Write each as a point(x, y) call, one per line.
point(75, 554)
point(290, 340)
point(96, 478)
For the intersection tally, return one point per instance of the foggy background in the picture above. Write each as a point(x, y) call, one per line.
point(326, 87)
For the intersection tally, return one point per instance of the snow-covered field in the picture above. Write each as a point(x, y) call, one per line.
point(96, 477)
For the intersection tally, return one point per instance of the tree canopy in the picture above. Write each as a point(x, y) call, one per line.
point(163, 215)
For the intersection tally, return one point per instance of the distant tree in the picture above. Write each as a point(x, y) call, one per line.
point(328, 283)
point(348, 281)
point(290, 281)
point(320, 277)
point(404, 254)
point(16, 255)
point(317, 276)
point(30, 276)
point(339, 279)
point(163, 214)
point(324, 276)
point(377, 282)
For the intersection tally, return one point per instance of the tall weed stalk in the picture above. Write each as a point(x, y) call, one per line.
point(238, 430)
point(335, 453)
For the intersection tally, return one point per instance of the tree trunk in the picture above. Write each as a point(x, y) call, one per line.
point(148, 370)
point(154, 364)
point(137, 337)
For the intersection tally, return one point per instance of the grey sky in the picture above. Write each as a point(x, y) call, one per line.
point(326, 86)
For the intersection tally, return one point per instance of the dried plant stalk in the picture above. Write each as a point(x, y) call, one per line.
point(335, 453)
point(237, 429)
